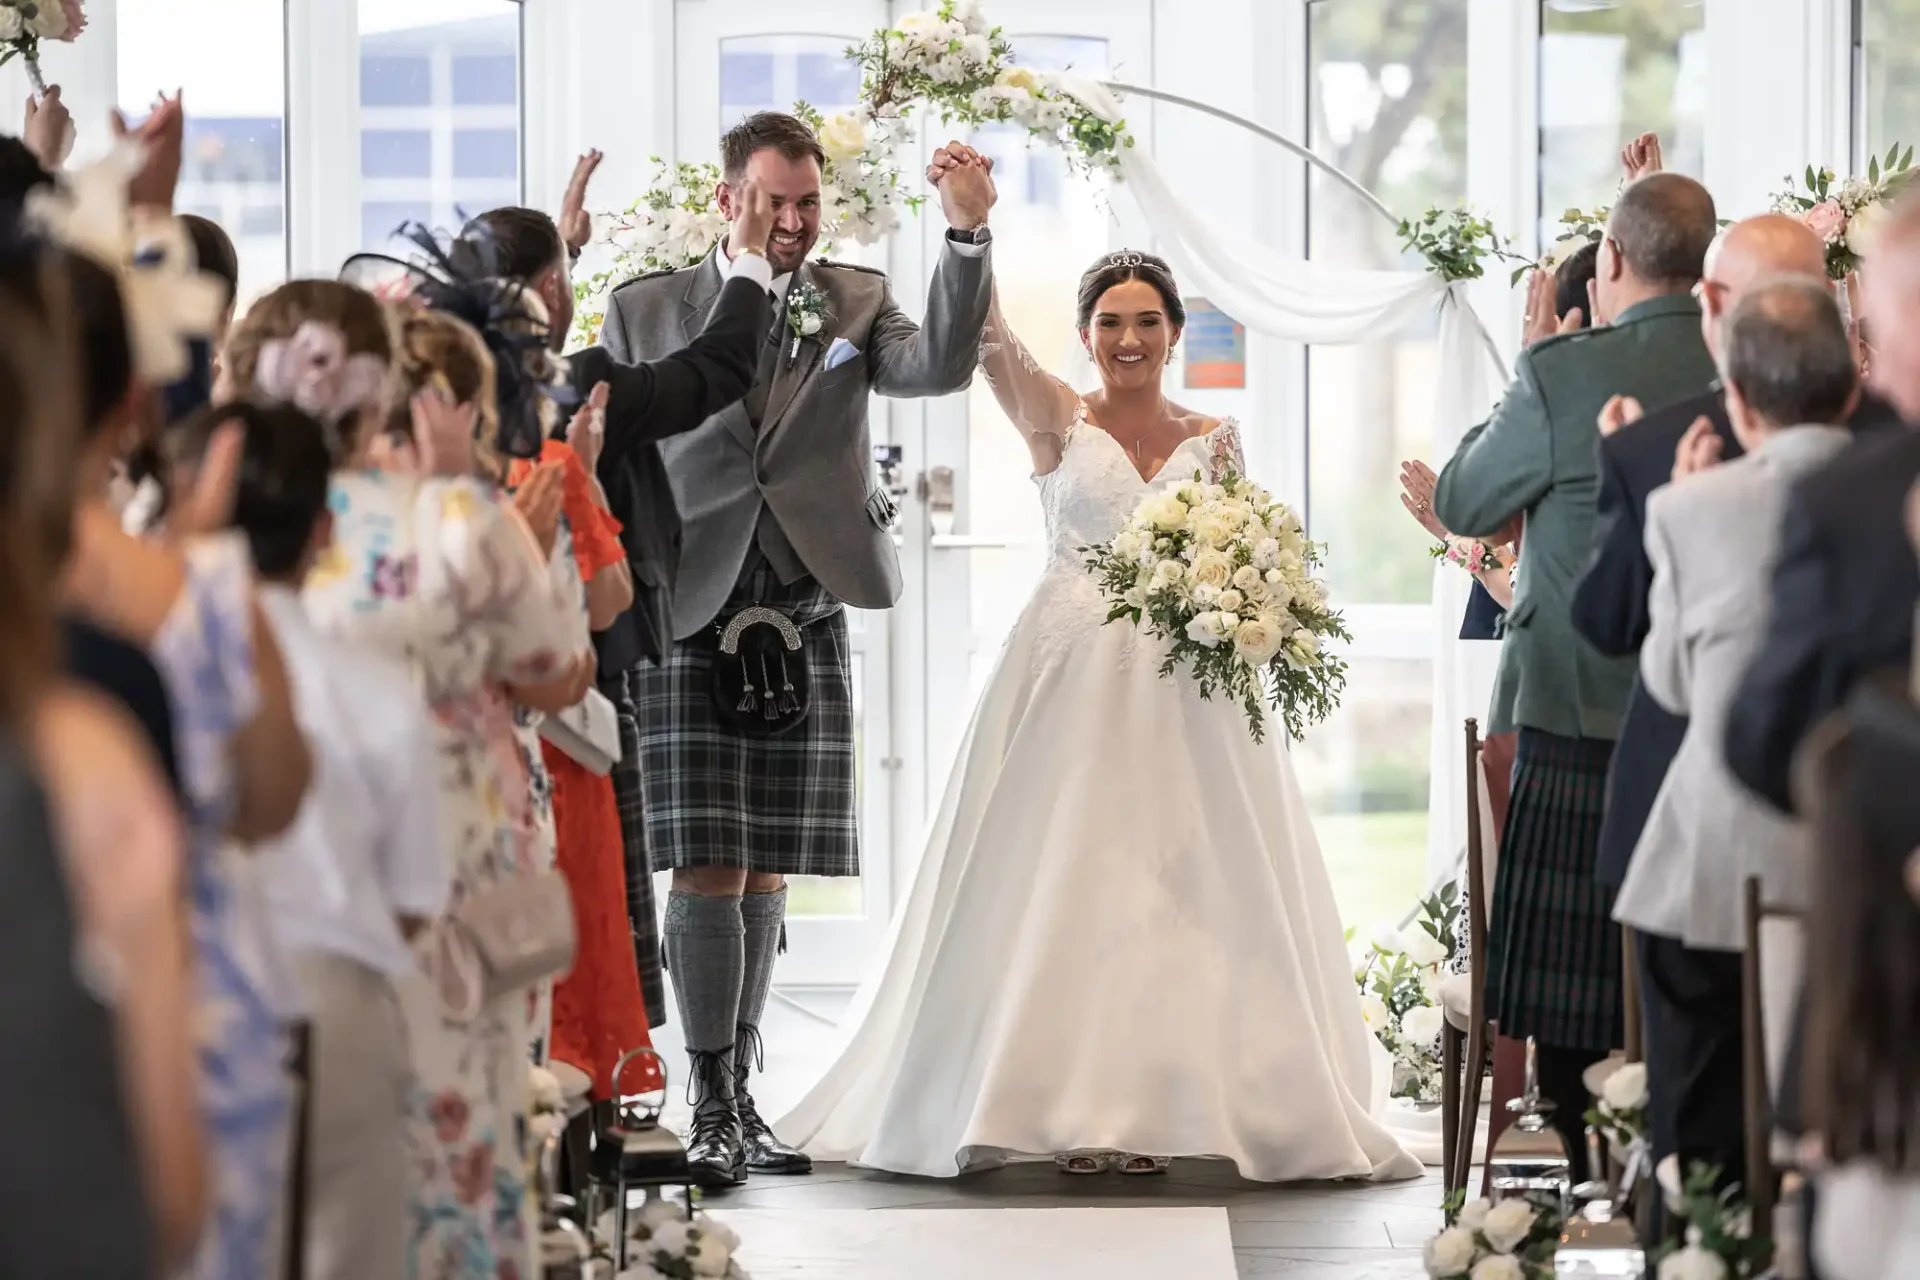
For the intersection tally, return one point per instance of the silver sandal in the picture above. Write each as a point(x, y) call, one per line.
point(1140, 1166)
point(1085, 1162)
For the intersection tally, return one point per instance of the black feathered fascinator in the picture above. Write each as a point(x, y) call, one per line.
point(462, 279)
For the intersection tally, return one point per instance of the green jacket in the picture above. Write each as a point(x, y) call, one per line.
point(1538, 455)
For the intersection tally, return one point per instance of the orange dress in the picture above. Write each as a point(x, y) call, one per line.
point(598, 1010)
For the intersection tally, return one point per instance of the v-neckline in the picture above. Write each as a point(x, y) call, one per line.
point(1083, 419)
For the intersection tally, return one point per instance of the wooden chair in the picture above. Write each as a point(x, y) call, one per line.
point(1767, 1159)
point(1466, 1039)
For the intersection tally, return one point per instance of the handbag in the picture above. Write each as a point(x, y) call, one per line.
point(588, 732)
point(761, 685)
point(505, 939)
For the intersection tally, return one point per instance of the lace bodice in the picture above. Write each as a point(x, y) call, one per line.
point(1096, 486)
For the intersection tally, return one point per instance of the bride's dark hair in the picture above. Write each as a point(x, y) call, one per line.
point(1118, 268)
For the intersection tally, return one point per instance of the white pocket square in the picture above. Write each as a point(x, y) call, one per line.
point(840, 352)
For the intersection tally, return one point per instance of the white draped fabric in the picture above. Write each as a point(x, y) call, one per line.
point(1298, 300)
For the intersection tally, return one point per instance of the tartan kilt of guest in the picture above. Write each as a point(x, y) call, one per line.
point(1553, 949)
point(717, 798)
point(628, 795)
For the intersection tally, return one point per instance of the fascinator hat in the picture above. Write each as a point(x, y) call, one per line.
point(462, 279)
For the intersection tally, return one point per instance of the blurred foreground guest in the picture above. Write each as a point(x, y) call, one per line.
point(428, 567)
point(1553, 950)
point(361, 870)
point(1790, 385)
point(97, 1063)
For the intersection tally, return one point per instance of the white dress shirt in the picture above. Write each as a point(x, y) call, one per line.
point(366, 845)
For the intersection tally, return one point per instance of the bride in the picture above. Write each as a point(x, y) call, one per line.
point(1121, 945)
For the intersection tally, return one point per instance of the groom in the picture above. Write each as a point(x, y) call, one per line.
point(780, 511)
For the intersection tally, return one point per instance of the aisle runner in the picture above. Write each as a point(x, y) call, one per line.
point(967, 1244)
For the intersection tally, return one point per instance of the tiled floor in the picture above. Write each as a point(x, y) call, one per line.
point(1310, 1231)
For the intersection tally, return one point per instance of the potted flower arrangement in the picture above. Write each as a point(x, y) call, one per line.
point(1848, 215)
point(666, 1242)
point(1719, 1242)
point(1399, 981)
point(1510, 1239)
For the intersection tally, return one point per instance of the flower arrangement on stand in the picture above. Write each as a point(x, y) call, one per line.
point(1719, 1243)
point(1848, 215)
point(25, 23)
point(1494, 1240)
point(667, 1242)
point(1224, 572)
point(1619, 1113)
point(1399, 981)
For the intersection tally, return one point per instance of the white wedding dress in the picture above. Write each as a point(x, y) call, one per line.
point(1121, 935)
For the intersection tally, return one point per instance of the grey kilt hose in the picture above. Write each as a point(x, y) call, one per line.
point(717, 798)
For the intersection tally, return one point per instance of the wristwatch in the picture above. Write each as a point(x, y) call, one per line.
point(979, 235)
point(751, 251)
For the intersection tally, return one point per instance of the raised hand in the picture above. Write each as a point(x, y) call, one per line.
point(442, 434)
point(964, 179)
point(575, 223)
point(587, 430)
point(1699, 449)
point(48, 131)
point(752, 219)
point(1416, 495)
point(208, 506)
point(1641, 157)
point(538, 501)
point(160, 137)
point(1618, 412)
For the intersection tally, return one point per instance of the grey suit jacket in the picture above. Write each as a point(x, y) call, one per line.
point(1711, 539)
point(811, 461)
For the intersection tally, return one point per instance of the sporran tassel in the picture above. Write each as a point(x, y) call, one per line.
point(747, 701)
point(772, 712)
point(788, 703)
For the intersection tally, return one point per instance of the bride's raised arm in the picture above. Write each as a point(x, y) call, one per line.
point(1039, 404)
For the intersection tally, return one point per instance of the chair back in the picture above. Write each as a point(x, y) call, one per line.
point(1769, 986)
point(1482, 854)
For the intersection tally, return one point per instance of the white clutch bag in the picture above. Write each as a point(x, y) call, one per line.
point(504, 939)
point(588, 731)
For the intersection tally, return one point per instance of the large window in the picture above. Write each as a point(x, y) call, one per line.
point(439, 113)
point(233, 168)
point(1888, 45)
point(771, 73)
point(1387, 104)
point(1611, 70)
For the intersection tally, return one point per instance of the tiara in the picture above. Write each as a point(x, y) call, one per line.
point(1125, 259)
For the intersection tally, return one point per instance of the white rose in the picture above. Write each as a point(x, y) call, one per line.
point(1209, 629)
point(1206, 595)
point(12, 25)
point(1864, 228)
point(1473, 1214)
point(1257, 642)
point(922, 26)
point(670, 1237)
point(1422, 947)
point(1246, 578)
point(543, 1089)
point(842, 137)
point(1126, 544)
point(1213, 569)
point(809, 325)
point(656, 1212)
point(1231, 600)
point(50, 20)
point(1420, 1025)
point(1626, 1089)
point(709, 1257)
point(1135, 597)
point(1507, 1224)
point(1164, 511)
point(1692, 1263)
point(1373, 1010)
point(1025, 79)
point(1212, 528)
point(1168, 573)
point(1498, 1267)
point(1449, 1254)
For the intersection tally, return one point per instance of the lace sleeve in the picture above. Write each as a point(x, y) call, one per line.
point(1224, 451)
point(1036, 401)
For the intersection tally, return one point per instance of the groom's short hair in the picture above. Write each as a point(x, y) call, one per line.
point(789, 135)
point(1662, 225)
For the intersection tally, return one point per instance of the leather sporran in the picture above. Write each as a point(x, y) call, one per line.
point(761, 685)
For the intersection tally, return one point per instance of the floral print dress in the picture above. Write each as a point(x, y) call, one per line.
point(204, 651)
point(439, 573)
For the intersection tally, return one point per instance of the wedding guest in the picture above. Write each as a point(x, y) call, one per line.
point(428, 567)
point(1790, 385)
point(361, 870)
point(1554, 952)
point(214, 252)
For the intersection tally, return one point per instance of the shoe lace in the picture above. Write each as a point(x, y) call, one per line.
point(749, 1049)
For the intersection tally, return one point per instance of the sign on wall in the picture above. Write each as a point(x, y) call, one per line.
point(1216, 348)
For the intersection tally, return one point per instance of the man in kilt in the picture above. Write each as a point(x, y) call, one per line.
point(1554, 964)
point(746, 732)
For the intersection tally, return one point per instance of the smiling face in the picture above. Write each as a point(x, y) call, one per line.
point(795, 188)
point(1130, 335)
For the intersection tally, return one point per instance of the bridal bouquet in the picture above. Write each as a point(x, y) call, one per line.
point(25, 23)
point(1847, 215)
point(1225, 573)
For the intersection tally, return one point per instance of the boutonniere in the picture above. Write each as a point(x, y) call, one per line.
point(806, 315)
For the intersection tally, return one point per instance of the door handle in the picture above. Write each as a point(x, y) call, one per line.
point(937, 491)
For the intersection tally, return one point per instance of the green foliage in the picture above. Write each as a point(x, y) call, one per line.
point(1719, 1222)
point(1455, 242)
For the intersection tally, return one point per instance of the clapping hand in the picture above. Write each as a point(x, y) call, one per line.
point(964, 179)
point(575, 223)
point(1618, 412)
point(442, 433)
point(48, 131)
point(587, 430)
point(1541, 322)
point(1641, 157)
point(1416, 495)
point(1699, 449)
point(538, 501)
point(160, 137)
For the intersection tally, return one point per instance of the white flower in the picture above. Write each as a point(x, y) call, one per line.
point(1449, 1254)
point(1473, 1214)
point(50, 20)
point(1373, 1010)
point(670, 1238)
point(1315, 594)
point(1266, 554)
point(969, 15)
point(543, 1089)
point(1421, 1024)
point(842, 137)
point(1213, 569)
point(1164, 511)
point(923, 27)
point(1498, 1267)
point(1214, 528)
point(1386, 937)
point(1126, 544)
point(655, 1212)
point(1420, 946)
point(1672, 1189)
point(1135, 597)
point(976, 49)
point(1257, 641)
point(1303, 650)
point(1231, 600)
point(1508, 1224)
point(1864, 228)
point(1246, 578)
point(12, 25)
point(809, 325)
point(1626, 1089)
point(1025, 79)
point(1208, 628)
point(1692, 1263)
point(709, 1256)
point(1168, 573)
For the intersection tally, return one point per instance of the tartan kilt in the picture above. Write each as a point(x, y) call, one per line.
point(628, 794)
point(716, 798)
point(1553, 949)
